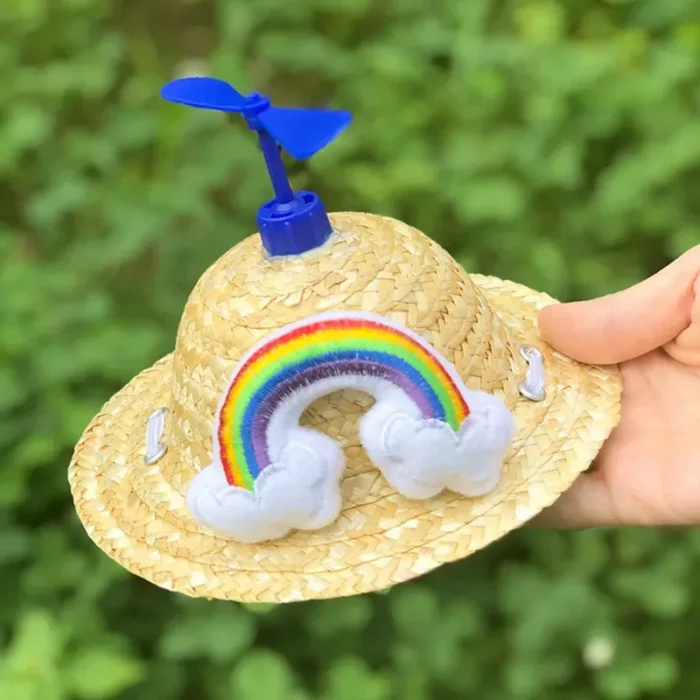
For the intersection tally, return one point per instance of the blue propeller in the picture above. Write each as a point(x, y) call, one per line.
point(293, 222)
point(301, 132)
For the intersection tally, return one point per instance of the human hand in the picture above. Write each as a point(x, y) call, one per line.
point(648, 472)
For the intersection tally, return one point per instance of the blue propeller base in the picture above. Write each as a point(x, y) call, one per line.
point(295, 227)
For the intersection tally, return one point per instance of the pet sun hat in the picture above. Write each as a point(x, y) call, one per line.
point(345, 408)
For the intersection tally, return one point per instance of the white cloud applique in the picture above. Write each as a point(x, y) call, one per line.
point(421, 458)
point(300, 490)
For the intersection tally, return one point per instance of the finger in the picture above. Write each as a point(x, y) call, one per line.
point(588, 503)
point(627, 324)
point(686, 347)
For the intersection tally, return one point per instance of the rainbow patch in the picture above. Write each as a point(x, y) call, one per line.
point(323, 347)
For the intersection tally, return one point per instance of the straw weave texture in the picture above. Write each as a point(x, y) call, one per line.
point(137, 513)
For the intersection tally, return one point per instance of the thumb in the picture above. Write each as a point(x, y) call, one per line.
point(627, 324)
point(588, 503)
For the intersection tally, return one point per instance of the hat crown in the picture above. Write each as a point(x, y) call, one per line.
point(370, 263)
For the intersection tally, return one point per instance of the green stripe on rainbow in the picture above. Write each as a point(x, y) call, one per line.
point(314, 352)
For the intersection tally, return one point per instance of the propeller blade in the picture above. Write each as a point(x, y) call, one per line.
point(205, 93)
point(303, 132)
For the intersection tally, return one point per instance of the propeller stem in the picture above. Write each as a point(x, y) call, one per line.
point(275, 167)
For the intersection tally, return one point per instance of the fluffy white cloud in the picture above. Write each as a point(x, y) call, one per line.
point(300, 491)
point(421, 458)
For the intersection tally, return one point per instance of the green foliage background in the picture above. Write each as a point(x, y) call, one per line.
point(556, 143)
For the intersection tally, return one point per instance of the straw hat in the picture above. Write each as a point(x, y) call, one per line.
point(138, 513)
point(345, 409)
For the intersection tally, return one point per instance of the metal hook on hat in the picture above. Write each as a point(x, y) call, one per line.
point(532, 387)
point(155, 449)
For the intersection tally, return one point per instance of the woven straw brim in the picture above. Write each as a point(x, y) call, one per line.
point(139, 519)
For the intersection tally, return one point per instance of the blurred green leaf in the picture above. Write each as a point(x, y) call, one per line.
point(37, 643)
point(264, 675)
point(416, 610)
point(220, 634)
point(350, 618)
point(102, 673)
point(350, 678)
